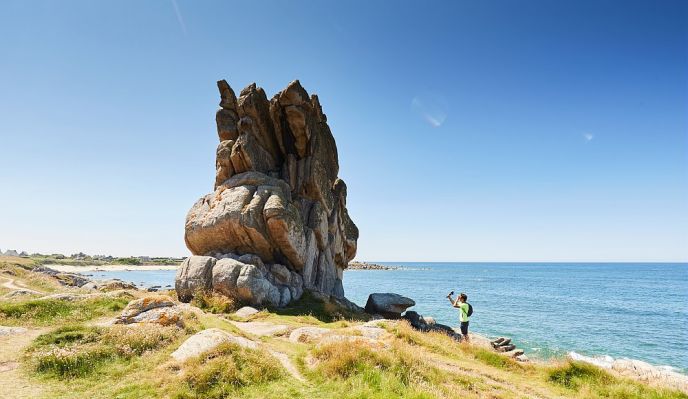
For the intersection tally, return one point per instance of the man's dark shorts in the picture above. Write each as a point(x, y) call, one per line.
point(464, 327)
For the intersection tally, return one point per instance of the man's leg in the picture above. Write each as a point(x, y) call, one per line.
point(464, 331)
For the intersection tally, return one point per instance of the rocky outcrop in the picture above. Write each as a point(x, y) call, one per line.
point(207, 340)
point(158, 309)
point(277, 222)
point(388, 305)
point(637, 370)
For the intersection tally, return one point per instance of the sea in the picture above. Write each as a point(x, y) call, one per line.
point(622, 310)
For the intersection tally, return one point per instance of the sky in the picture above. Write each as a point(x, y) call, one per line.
point(467, 130)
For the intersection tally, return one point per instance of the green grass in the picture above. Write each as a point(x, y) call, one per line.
point(493, 359)
point(41, 312)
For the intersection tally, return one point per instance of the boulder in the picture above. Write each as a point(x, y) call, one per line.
point(207, 340)
point(145, 304)
point(261, 328)
point(114, 284)
point(278, 203)
point(308, 334)
point(72, 279)
point(193, 275)
point(163, 316)
point(245, 312)
point(416, 320)
point(388, 305)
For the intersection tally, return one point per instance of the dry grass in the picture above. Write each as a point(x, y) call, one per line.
point(77, 351)
point(224, 371)
point(214, 302)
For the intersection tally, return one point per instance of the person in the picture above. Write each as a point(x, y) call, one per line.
point(463, 307)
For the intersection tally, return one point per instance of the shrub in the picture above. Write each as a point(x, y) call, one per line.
point(127, 261)
point(214, 302)
point(225, 370)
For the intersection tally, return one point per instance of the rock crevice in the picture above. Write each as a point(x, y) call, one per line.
point(277, 197)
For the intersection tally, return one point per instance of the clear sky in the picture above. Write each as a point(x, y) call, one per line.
point(467, 130)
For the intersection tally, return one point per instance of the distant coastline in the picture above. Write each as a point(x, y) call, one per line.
point(370, 266)
point(108, 268)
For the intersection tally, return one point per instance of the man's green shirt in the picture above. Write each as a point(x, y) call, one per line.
point(463, 312)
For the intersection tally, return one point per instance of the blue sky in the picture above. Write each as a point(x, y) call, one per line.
point(467, 130)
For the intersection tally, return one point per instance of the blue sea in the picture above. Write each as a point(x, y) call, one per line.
point(633, 310)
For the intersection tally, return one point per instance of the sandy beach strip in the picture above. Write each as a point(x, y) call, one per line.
point(109, 268)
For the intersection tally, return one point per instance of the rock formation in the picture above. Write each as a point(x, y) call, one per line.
point(277, 222)
point(388, 305)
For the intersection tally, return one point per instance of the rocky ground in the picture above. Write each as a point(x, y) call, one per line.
point(107, 340)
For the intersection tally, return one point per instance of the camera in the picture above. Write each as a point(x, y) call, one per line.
point(450, 294)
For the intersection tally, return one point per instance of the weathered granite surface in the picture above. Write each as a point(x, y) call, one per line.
point(276, 222)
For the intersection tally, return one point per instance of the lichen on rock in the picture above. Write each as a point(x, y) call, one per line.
point(278, 209)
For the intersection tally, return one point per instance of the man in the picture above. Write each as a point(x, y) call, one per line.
point(463, 307)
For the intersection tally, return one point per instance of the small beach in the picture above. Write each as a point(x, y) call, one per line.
point(110, 268)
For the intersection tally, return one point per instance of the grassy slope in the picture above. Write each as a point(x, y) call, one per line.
point(74, 359)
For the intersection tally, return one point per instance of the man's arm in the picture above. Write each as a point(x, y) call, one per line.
point(453, 302)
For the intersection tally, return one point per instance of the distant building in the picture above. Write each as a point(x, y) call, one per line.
point(11, 252)
point(24, 254)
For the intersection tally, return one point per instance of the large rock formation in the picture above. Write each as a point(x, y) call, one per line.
point(277, 221)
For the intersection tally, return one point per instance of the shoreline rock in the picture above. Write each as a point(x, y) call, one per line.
point(637, 370)
point(388, 305)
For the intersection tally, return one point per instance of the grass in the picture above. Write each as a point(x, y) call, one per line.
point(491, 358)
point(77, 351)
point(366, 371)
point(214, 303)
point(42, 312)
point(589, 381)
point(223, 372)
point(318, 310)
point(75, 360)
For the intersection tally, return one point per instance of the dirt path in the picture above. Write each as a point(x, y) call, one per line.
point(287, 364)
point(14, 384)
point(10, 285)
point(492, 380)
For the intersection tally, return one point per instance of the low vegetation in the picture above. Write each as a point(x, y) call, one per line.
point(69, 353)
point(589, 381)
point(223, 372)
point(214, 303)
point(318, 310)
point(43, 312)
point(77, 351)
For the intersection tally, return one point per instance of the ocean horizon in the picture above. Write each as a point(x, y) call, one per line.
point(596, 309)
